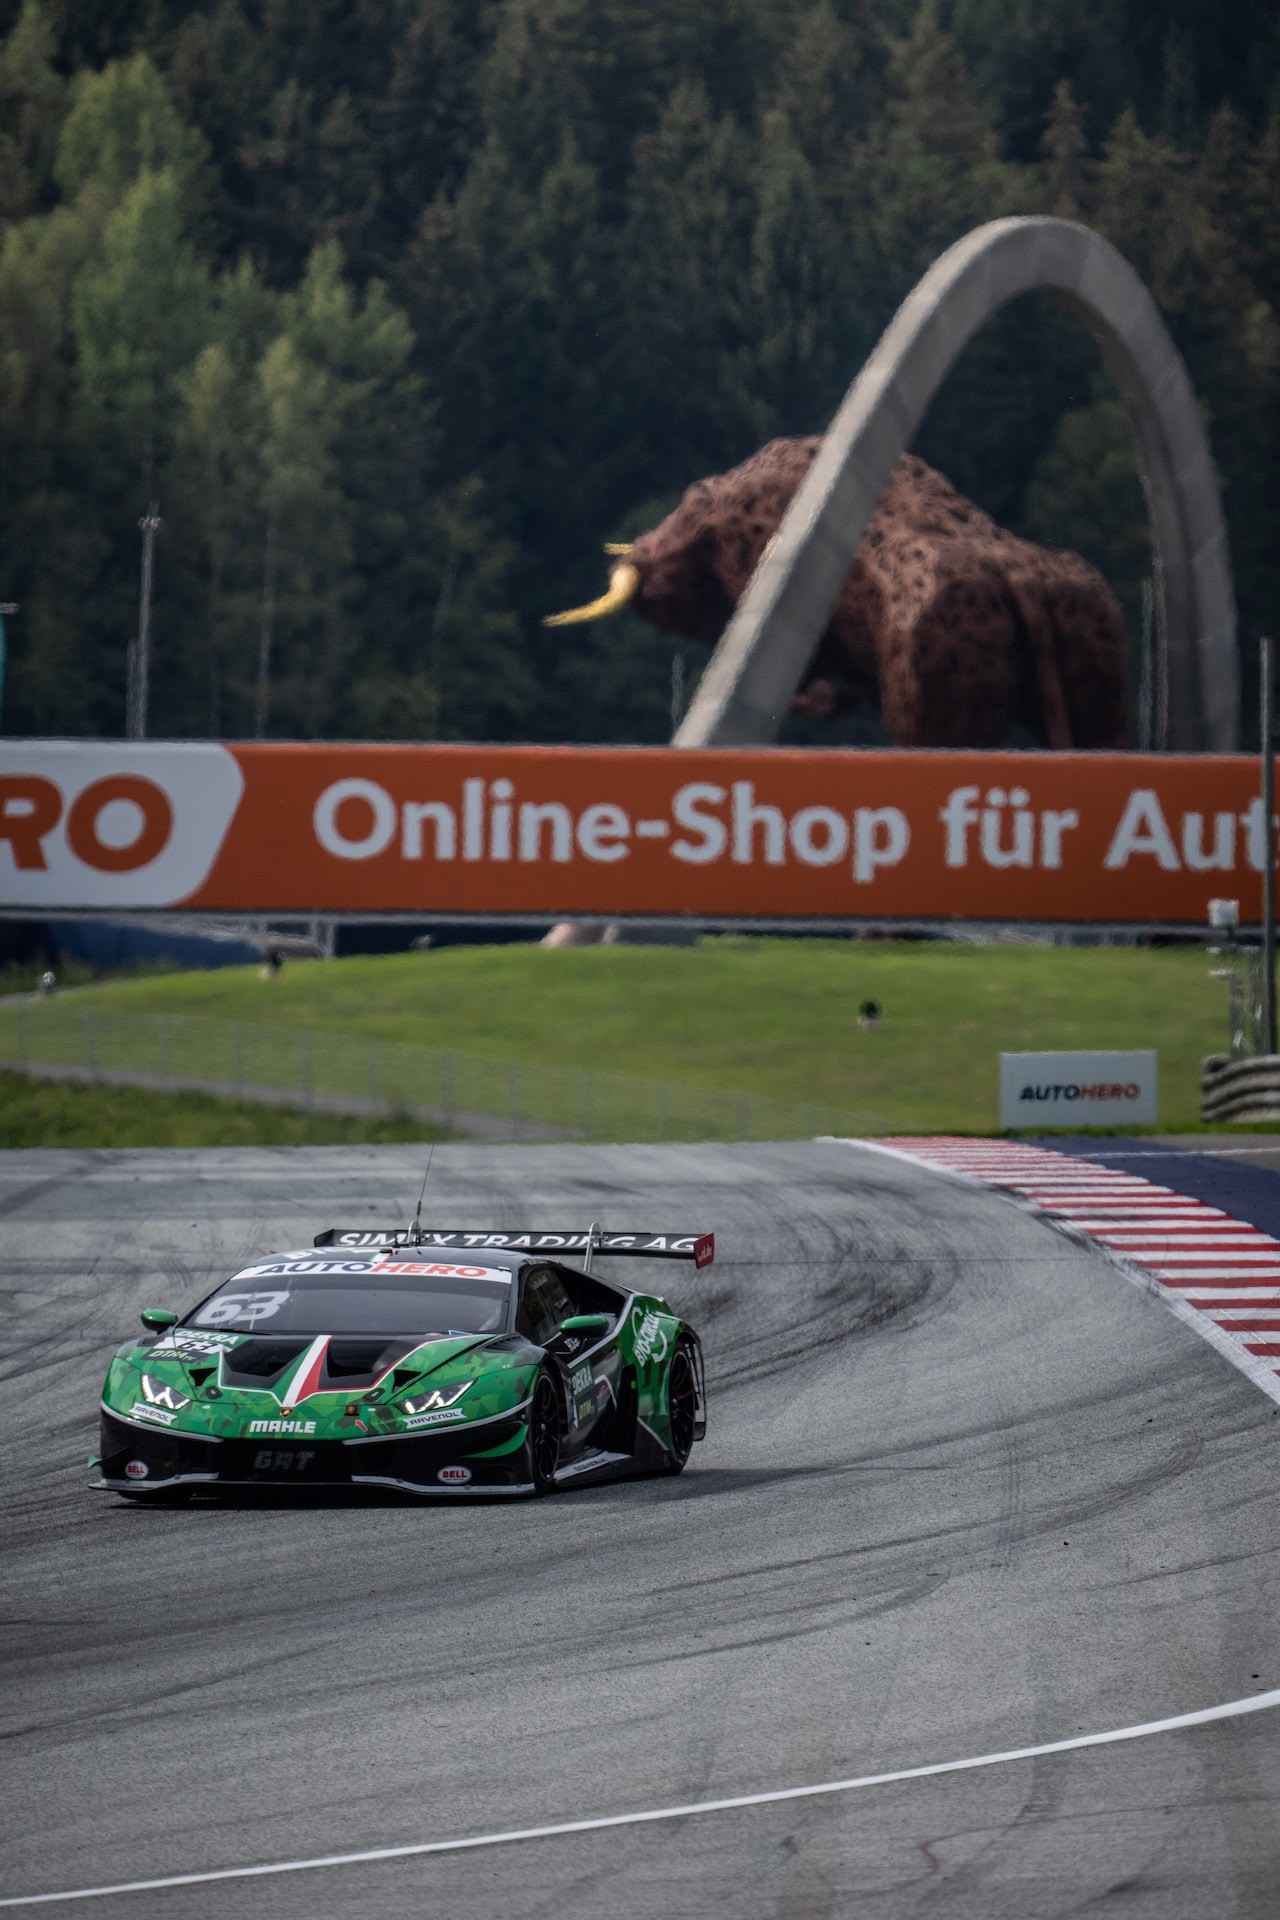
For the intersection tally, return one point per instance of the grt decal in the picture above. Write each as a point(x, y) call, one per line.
point(98, 825)
point(755, 835)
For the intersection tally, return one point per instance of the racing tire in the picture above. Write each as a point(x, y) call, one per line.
point(544, 1433)
point(682, 1407)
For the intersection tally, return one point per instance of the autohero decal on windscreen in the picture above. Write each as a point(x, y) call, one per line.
point(270, 1269)
point(438, 1270)
point(299, 1294)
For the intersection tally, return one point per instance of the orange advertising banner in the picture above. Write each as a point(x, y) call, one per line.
point(751, 835)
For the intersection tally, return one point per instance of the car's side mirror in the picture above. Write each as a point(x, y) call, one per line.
point(158, 1319)
point(585, 1323)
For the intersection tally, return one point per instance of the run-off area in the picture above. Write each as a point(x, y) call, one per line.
point(963, 1491)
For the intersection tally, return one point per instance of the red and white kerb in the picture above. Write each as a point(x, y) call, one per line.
point(1219, 1275)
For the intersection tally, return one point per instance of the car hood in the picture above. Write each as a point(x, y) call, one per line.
point(337, 1385)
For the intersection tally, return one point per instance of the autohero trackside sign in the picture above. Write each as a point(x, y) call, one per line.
point(720, 834)
point(1070, 1090)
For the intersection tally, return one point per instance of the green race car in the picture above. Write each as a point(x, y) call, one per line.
point(431, 1363)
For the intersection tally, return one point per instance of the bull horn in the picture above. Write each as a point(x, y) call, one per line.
point(618, 546)
point(623, 582)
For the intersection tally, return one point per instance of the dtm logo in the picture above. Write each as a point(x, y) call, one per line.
point(454, 1476)
point(111, 826)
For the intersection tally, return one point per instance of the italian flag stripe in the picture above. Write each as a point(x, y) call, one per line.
point(306, 1376)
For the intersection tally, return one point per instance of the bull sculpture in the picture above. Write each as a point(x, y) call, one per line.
point(953, 627)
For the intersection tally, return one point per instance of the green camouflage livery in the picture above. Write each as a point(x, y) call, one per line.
point(323, 1367)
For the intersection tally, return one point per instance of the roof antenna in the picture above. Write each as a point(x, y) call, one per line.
point(416, 1229)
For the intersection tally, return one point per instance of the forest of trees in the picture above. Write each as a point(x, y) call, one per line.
point(399, 309)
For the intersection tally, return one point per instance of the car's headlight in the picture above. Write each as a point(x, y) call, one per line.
point(436, 1400)
point(158, 1393)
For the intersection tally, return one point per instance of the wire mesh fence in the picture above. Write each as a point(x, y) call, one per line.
point(469, 1093)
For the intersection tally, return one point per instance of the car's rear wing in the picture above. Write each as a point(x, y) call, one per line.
point(698, 1247)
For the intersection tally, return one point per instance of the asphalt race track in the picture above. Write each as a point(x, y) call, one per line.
point(964, 1491)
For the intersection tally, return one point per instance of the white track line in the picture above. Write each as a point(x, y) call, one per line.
point(1229, 1710)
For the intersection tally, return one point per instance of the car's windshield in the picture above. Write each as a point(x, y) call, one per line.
point(341, 1296)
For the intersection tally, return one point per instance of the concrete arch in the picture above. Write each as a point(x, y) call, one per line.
point(770, 640)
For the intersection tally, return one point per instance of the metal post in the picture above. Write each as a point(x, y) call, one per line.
point(140, 656)
point(1267, 703)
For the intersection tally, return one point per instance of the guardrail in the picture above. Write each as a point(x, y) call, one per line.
point(1241, 1091)
point(468, 1093)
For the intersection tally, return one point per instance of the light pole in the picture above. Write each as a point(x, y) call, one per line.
point(6, 606)
point(140, 652)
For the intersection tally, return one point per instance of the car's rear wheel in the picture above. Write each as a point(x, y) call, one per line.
point(544, 1433)
point(682, 1407)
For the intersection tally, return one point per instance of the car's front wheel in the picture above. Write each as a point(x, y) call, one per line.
point(544, 1433)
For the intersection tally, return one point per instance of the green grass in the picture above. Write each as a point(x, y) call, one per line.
point(46, 1113)
point(776, 1018)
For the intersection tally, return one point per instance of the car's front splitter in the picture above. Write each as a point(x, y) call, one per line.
point(487, 1458)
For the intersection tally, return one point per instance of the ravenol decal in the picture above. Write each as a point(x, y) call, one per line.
point(439, 1417)
point(141, 1411)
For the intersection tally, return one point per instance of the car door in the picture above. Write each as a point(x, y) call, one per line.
point(587, 1364)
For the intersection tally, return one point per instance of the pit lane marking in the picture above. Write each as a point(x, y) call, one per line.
point(1203, 1716)
point(1216, 1274)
